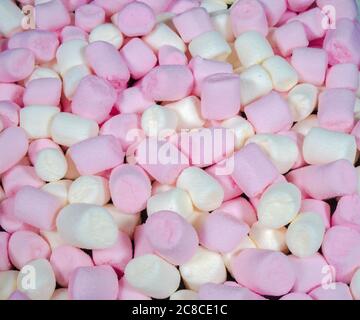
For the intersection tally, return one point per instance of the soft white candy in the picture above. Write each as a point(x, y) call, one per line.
point(242, 129)
point(68, 129)
point(7, 283)
point(59, 189)
point(53, 238)
point(221, 22)
point(42, 73)
point(184, 295)
point(302, 100)
point(159, 121)
point(322, 146)
point(11, 18)
point(233, 59)
point(37, 280)
point(87, 226)
point(51, 165)
point(157, 187)
point(89, 189)
point(188, 113)
point(282, 150)
point(36, 120)
point(268, 238)
point(252, 48)
point(60, 294)
point(305, 234)
point(71, 54)
point(304, 126)
point(213, 5)
point(163, 35)
point(255, 82)
point(72, 78)
point(206, 193)
point(210, 45)
point(125, 222)
point(279, 205)
point(176, 200)
point(282, 73)
point(355, 285)
point(204, 267)
point(152, 276)
point(107, 32)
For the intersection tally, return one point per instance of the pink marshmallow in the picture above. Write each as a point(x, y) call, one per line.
point(312, 21)
point(344, 9)
point(158, 5)
point(52, 15)
point(343, 76)
point(181, 6)
point(127, 292)
point(4, 256)
point(347, 212)
point(299, 5)
point(169, 55)
point(322, 208)
point(111, 6)
point(89, 16)
point(33, 94)
point(132, 100)
point(274, 9)
point(141, 243)
point(340, 292)
point(17, 295)
point(212, 291)
point(10, 92)
point(9, 113)
point(73, 33)
point(37, 145)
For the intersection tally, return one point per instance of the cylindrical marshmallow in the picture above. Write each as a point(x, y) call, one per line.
point(51, 164)
point(11, 18)
point(268, 238)
point(107, 32)
point(59, 189)
point(72, 78)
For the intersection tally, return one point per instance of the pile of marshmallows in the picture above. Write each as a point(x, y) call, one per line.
point(79, 78)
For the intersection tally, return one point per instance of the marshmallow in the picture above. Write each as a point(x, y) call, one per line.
point(72, 78)
point(340, 291)
point(52, 15)
point(4, 257)
point(274, 10)
point(322, 208)
point(355, 285)
point(33, 92)
point(60, 294)
point(169, 55)
point(304, 126)
point(346, 212)
point(69, 33)
point(59, 189)
point(86, 226)
point(343, 76)
point(51, 165)
point(242, 129)
point(213, 5)
point(127, 292)
point(11, 18)
point(107, 32)
point(8, 281)
point(268, 238)
point(343, 10)
point(222, 24)
point(89, 16)
point(52, 238)
point(184, 294)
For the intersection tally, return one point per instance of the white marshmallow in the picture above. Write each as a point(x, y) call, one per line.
point(68, 129)
point(221, 22)
point(279, 205)
point(198, 218)
point(36, 120)
point(42, 73)
point(282, 150)
point(60, 294)
point(255, 82)
point(11, 18)
point(355, 285)
point(89, 189)
point(304, 126)
point(305, 234)
point(188, 113)
point(252, 48)
point(206, 193)
point(210, 45)
point(159, 121)
point(268, 238)
point(8, 284)
point(283, 75)
point(152, 276)
point(204, 267)
point(157, 187)
point(59, 189)
point(107, 32)
point(302, 100)
point(184, 294)
point(242, 129)
point(87, 226)
point(176, 200)
point(322, 146)
point(44, 282)
point(72, 78)
point(163, 35)
point(51, 165)
point(213, 5)
point(70, 54)
point(125, 222)
point(53, 238)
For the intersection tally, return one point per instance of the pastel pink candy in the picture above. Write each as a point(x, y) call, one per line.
point(136, 19)
point(139, 57)
point(72, 5)
point(341, 291)
point(13, 147)
point(127, 292)
point(18, 295)
point(9, 112)
point(253, 171)
point(157, 85)
point(222, 232)
point(312, 20)
point(36, 207)
point(171, 236)
point(4, 257)
point(286, 17)
point(296, 296)
point(88, 155)
point(132, 100)
point(89, 16)
point(169, 55)
point(269, 114)
point(343, 9)
point(248, 15)
point(73, 33)
point(116, 256)
point(33, 94)
point(220, 96)
point(65, 260)
point(37, 145)
point(130, 188)
point(93, 283)
point(212, 291)
point(181, 6)
point(111, 6)
point(299, 5)
point(142, 245)
point(158, 5)
point(340, 248)
point(347, 212)
point(336, 109)
point(343, 75)
point(16, 64)
point(107, 63)
point(322, 208)
point(326, 181)
point(192, 23)
point(94, 98)
point(11, 92)
point(252, 268)
point(52, 15)
point(25, 246)
point(274, 9)
point(309, 272)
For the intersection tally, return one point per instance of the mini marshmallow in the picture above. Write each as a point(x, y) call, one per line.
point(160, 283)
point(169, 55)
point(343, 76)
point(268, 238)
point(4, 256)
point(242, 129)
point(72, 78)
point(322, 208)
point(346, 212)
point(204, 267)
point(11, 18)
point(340, 291)
point(274, 10)
point(213, 5)
point(34, 88)
point(184, 294)
point(86, 226)
point(51, 165)
point(52, 15)
point(222, 24)
point(322, 146)
point(355, 285)
point(8, 281)
point(89, 16)
point(132, 100)
point(302, 100)
point(304, 126)
point(127, 292)
point(38, 145)
point(9, 113)
point(59, 189)
point(141, 244)
point(107, 32)
point(69, 33)
point(111, 6)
